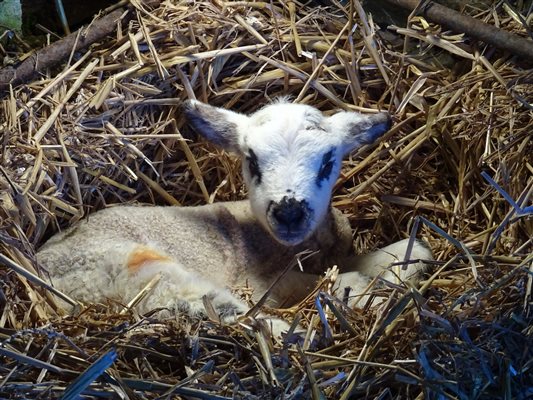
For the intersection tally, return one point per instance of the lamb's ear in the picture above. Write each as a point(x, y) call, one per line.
point(218, 125)
point(359, 129)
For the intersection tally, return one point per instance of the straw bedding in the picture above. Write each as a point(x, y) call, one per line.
point(456, 169)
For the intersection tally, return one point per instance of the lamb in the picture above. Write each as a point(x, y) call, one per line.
point(292, 157)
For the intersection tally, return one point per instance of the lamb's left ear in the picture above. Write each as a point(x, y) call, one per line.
point(218, 125)
point(359, 129)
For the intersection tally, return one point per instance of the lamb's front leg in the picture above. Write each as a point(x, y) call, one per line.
point(362, 269)
point(379, 262)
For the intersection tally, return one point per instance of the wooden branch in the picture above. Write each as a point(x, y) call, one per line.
point(58, 51)
point(475, 28)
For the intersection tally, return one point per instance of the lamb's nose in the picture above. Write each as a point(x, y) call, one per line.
point(289, 212)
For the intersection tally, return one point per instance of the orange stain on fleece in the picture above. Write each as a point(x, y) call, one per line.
point(142, 255)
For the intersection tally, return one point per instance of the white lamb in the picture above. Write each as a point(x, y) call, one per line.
point(291, 159)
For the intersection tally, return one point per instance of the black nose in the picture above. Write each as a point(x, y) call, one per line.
point(289, 212)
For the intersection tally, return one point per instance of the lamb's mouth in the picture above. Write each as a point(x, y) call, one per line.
point(290, 235)
point(290, 238)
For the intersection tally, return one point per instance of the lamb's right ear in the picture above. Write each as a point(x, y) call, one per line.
point(359, 129)
point(218, 125)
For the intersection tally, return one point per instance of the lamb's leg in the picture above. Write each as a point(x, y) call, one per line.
point(181, 290)
point(358, 272)
point(361, 269)
point(379, 262)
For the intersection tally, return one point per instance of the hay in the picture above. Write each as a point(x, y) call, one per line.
point(106, 128)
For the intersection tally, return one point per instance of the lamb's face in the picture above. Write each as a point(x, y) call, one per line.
point(292, 156)
point(291, 162)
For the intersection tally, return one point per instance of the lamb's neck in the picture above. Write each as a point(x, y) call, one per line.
point(332, 239)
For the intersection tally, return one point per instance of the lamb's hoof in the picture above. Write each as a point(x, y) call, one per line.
point(261, 323)
point(277, 326)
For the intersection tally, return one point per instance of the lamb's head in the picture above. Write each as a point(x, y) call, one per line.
point(292, 157)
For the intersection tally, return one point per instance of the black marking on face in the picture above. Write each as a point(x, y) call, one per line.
point(325, 168)
point(253, 166)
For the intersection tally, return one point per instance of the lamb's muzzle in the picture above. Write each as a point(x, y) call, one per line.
point(289, 219)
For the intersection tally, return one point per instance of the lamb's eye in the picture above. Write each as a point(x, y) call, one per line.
point(253, 166)
point(325, 168)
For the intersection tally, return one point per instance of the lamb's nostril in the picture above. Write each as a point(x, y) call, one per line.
point(289, 212)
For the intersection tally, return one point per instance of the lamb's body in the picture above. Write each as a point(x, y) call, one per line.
point(205, 250)
point(220, 244)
